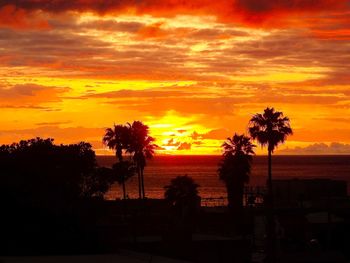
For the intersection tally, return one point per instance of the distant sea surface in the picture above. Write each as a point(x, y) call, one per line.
point(203, 169)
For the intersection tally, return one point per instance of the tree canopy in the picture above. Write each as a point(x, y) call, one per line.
point(37, 171)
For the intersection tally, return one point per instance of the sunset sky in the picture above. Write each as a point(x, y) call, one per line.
point(194, 71)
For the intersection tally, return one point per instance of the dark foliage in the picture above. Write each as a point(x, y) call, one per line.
point(270, 129)
point(182, 195)
point(181, 191)
point(40, 185)
point(234, 169)
point(37, 169)
point(133, 139)
point(141, 147)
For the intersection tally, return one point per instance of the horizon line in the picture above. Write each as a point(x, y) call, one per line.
point(194, 155)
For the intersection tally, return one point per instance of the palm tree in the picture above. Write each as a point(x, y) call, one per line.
point(118, 139)
point(270, 129)
point(142, 147)
point(235, 168)
point(123, 171)
point(182, 190)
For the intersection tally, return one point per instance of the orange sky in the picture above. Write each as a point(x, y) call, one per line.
point(194, 71)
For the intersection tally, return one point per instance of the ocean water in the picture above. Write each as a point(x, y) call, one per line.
point(203, 169)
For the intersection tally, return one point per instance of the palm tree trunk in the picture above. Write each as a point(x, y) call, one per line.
point(230, 197)
point(235, 199)
point(139, 180)
point(269, 180)
point(124, 189)
point(142, 184)
point(270, 228)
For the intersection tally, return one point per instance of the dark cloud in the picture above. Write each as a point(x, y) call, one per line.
point(319, 148)
point(18, 18)
point(243, 11)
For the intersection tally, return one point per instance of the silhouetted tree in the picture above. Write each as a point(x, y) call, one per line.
point(181, 191)
point(38, 168)
point(182, 195)
point(118, 139)
point(141, 147)
point(270, 129)
point(97, 182)
point(235, 168)
point(41, 189)
point(123, 171)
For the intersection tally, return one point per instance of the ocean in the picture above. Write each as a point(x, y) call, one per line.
point(203, 169)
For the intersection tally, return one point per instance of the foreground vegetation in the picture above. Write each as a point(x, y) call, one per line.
point(43, 185)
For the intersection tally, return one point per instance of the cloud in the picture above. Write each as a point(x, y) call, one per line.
point(92, 49)
point(18, 18)
point(329, 132)
point(219, 106)
point(334, 119)
point(106, 25)
point(227, 50)
point(61, 135)
point(171, 142)
point(216, 134)
point(30, 95)
point(159, 148)
point(179, 145)
point(53, 123)
point(254, 12)
point(195, 135)
point(150, 93)
point(184, 146)
point(319, 148)
point(154, 31)
point(181, 130)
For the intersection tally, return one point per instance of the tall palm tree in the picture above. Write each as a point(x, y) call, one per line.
point(141, 147)
point(235, 168)
point(270, 129)
point(118, 139)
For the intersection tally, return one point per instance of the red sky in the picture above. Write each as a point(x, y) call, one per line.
point(194, 71)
